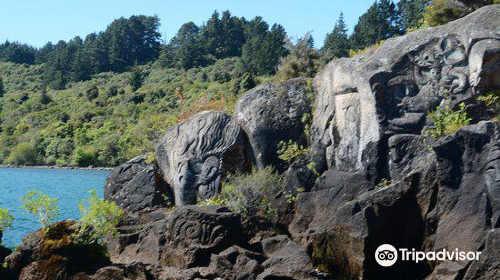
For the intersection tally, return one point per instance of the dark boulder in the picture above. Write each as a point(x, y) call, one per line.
point(488, 265)
point(286, 260)
point(272, 113)
point(234, 263)
point(184, 238)
point(54, 254)
point(449, 201)
point(135, 186)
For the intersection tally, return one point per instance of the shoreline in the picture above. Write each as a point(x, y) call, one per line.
point(57, 167)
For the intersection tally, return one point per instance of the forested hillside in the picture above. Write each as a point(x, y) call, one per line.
point(105, 98)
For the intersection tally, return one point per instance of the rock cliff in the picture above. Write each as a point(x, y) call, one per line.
point(376, 177)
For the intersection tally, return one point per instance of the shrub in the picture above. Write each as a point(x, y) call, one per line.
point(85, 156)
point(384, 183)
point(303, 60)
point(441, 12)
point(24, 154)
point(41, 206)
point(444, 11)
point(492, 101)
point(290, 151)
point(6, 219)
point(252, 194)
point(446, 121)
point(354, 52)
point(98, 219)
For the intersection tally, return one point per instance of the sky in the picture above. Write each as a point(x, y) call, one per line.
point(36, 22)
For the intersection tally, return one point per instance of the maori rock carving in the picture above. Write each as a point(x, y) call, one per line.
point(443, 66)
point(194, 154)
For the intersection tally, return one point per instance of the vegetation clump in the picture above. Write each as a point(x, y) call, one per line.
point(43, 207)
point(99, 219)
point(6, 219)
point(492, 101)
point(446, 121)
point(289, 151)
point(250, 194)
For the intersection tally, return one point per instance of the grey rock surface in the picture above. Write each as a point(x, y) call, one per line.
point(272, 113)
point(184, 238)
point(194, 155)
point(135, 186)
point(363, 100)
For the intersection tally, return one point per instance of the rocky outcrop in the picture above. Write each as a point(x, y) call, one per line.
point(272, 113)
point(373, 178)
point(447, 202)
point(195, 154)
point(135, 186)
point(207, 242)
point(53, 254)
point(371, 112)
point(184, 238)
point(363, 101)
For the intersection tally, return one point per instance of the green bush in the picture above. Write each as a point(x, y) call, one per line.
point(446, 121)
point(444, 11)
point(291, 151)
point(42, 206)
point(99, 218)
point(441, 12)
point(85, 156)
point(492, 101)
point(254, 193)
point(6, 219)
point(24, 154)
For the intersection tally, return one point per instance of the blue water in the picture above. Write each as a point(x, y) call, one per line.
point(69, 186)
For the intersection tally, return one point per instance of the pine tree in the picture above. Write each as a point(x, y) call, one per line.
point(411, 13)
point(380, 22)
point(2, 89)
point(366, 30)
point(336, 42)
point(263, 49)
point(136, 79)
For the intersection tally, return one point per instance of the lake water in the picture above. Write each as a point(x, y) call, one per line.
point(69, 186)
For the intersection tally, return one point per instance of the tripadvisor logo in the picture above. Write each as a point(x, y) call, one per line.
point(386, 255)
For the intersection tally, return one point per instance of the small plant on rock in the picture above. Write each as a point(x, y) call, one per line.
point(446, 121)
point(290, 151)
point(42, 206)
point(492, 101)
point(384, 183)
point(6, 219)
point(99, 218)
point(254, 193)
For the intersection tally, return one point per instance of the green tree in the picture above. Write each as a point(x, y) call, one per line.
point(136, 79)
point(24, 153)
point(41, 206)
point(186, 48)
point(336, 42)
point(443, 11)
point(6, 220)
point(2, 88)
point(411, 13)
point(223, 36)
point(264, 48)
point(302, 60)
point(380, 22)
point(85, 156)
point(99, 218)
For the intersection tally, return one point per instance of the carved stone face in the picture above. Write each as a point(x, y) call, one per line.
point(209, 178)
point(492, 173)
point(191, 155)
